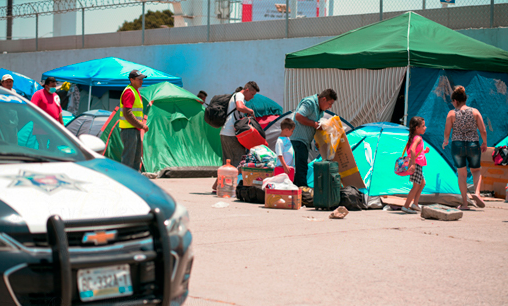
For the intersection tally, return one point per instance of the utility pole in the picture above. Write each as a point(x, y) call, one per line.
point(9, 19)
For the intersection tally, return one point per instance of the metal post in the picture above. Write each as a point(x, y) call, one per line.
point(9, 20)
point(491, 13)
point(406, 96)
point(89, 97)
point(423, 4)
point(287, 18)
point(82, 27)
point(208, 23)
point(380, 10)
point(143, 26)
point(36, 32)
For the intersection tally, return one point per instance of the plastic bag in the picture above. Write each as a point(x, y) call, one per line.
point(328, 138)
point(263, 154)
point(279, 182)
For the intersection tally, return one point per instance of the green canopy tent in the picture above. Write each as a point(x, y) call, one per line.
point(367, 66)
point(178, 142)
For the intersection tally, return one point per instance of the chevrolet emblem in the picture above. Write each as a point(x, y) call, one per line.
point(100, 237)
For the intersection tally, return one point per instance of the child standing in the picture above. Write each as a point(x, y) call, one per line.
point(284, 150)
point(417, 154)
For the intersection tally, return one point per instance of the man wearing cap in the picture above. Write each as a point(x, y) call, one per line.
point(131, 121)
point(48, 100)
point(8, 82)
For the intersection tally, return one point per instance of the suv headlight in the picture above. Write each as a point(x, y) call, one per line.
point(179, 222)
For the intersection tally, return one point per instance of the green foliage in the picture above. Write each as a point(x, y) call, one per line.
point(153, 20)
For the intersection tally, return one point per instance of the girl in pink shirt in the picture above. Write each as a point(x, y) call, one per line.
point(417, 154)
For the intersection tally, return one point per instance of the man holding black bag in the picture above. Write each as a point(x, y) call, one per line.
point(231, 148)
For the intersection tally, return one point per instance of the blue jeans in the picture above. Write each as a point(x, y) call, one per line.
point(469, 151)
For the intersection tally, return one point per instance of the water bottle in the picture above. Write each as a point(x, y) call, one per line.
point(227, 177)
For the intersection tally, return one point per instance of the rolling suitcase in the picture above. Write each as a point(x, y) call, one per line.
point(326, 185)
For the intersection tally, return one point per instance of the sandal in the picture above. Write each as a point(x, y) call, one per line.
point(461, 208)
point(478, 200)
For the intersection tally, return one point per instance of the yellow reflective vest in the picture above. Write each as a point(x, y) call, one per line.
point(137, 109)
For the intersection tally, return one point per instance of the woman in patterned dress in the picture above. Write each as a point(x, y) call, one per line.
point(466, 149)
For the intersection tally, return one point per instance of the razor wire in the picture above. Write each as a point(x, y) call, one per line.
point(50, 7)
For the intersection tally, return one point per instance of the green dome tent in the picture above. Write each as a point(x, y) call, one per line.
point(178, 138)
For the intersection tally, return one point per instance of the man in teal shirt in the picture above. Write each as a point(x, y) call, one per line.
point(307, 115)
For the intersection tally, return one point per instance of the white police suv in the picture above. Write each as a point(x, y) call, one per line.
point(80, 229)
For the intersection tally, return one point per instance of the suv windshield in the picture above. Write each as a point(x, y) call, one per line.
point(27, 136)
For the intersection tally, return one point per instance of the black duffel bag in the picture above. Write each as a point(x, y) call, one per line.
point(250, 194)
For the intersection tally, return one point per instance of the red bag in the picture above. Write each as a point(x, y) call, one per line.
point(249, 133)
point(500, 156)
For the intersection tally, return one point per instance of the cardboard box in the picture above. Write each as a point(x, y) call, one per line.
point(494, 177)
point(285, 199)
point(349, 173)
point(255, 176)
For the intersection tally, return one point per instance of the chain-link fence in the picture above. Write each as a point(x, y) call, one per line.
point(29, 25)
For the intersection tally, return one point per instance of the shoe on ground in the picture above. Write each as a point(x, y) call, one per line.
point(408, 211)
point(415, 207)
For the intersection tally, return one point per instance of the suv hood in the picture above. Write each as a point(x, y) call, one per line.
point(35, 191)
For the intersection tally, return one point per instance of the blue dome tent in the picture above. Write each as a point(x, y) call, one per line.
point(376, 146)
point(107, 74)
point(23, 85)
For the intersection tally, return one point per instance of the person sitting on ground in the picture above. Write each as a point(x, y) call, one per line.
point(284, 150)
point(415, 151)
point(307, 115)
point(466, 150)
point(202, 95)
point(231, 148)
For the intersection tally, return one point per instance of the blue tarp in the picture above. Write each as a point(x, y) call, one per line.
point(108, 72)
point(430, 97)
point(23, 85)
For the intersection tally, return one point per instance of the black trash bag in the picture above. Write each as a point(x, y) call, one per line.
point(352, 198)
point(307, 196)
point(250, 194)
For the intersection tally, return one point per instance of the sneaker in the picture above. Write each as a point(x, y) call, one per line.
point(415, 207)
point(408, 211)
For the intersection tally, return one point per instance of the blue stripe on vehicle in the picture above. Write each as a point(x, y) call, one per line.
point(11, 99)
point(152, 194)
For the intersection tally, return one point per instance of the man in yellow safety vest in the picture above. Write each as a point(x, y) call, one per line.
point(131, 121)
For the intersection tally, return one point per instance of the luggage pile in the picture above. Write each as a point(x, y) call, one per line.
point(256, 166)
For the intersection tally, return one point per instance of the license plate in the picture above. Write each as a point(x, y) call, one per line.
point(106, 282)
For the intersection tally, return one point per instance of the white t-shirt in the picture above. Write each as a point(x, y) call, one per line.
point(284, 148)
point(229, 127)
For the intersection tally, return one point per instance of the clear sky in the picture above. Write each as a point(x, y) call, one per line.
point(109, 20)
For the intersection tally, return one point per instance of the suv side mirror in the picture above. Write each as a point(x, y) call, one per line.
point(93, 143)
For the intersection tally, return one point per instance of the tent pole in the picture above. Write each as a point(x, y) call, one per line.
point(406, 96)
point(89, 96)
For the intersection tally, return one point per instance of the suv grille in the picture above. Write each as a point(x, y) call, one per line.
point(75, 239)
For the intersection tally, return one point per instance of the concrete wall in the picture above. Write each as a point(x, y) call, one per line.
point(217, 67)
point(456, 18)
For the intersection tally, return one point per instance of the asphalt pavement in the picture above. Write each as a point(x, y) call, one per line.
point(248, 255)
